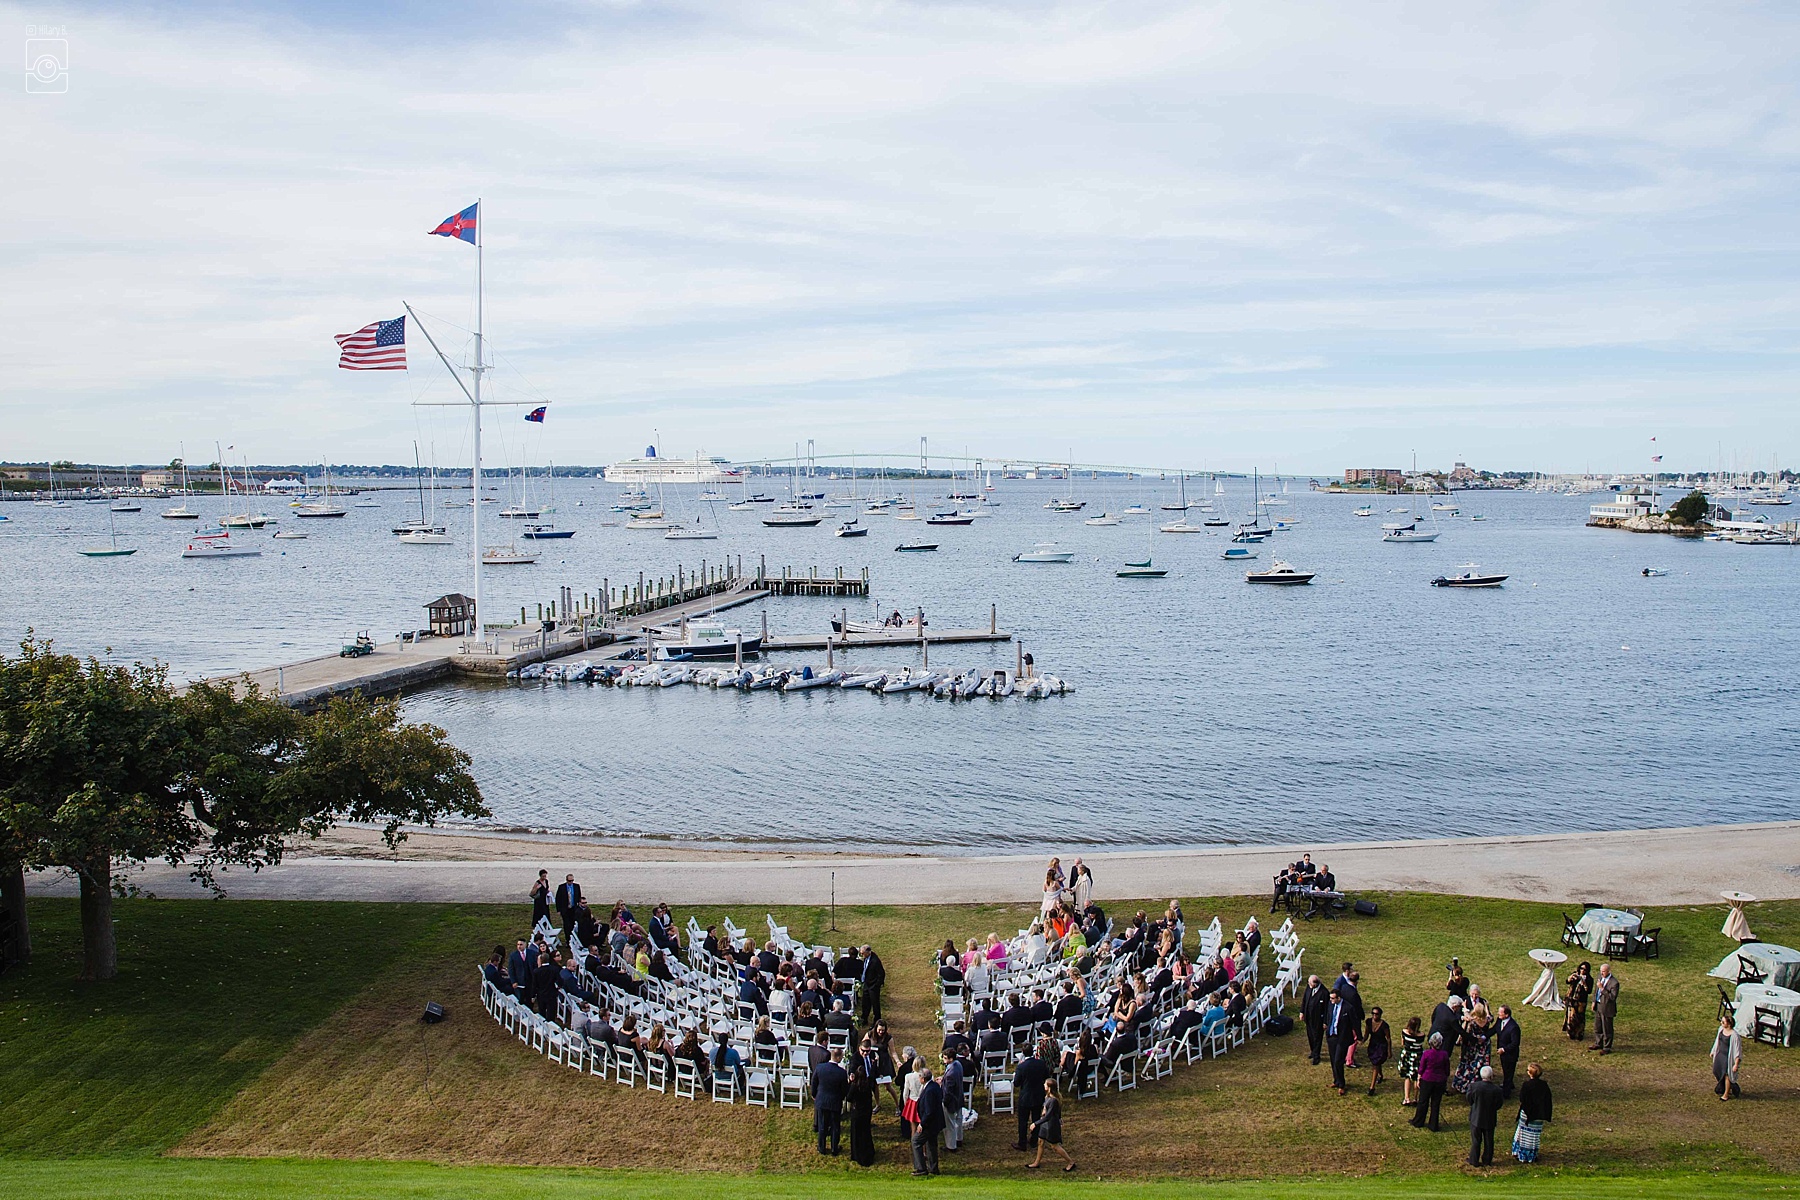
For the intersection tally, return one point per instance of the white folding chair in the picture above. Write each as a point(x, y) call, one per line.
point(793, 1089)
point(1218, 1041)
point(656, 1075)
point(758, 1086)
point(599, 1059)
point(1161, 1060)
point(626, 1067)
point(724, 1087)
point(1000, 1095)
point(687, 1080)
point(1124, 1073)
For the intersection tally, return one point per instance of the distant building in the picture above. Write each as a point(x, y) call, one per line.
point(1375, 477)
point(1462, 473)
point(75, 476)
point(1624, 506)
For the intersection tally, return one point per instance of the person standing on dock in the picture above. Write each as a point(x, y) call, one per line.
point(568, 895)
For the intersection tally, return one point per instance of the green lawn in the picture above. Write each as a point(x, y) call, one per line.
point(273, 1049)
point(279, 1179)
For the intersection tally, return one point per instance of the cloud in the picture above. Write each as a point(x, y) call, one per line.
point(1184, 232)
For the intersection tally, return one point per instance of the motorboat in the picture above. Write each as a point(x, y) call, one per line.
point(546, 533)
point(1066, 506)
point(519, 512)
point(909, 625)
point(1471, 577)
point(851, 528)
point(422, 537)
point(1445, 508)
point(1181, 526)
point(1279, 573)
point(1141, 570)
point(649, 521)
point(915, 547)
point(1238, 554)
point(790, 516)
point(1215, 522)
point(1250, 537)
point(1102, 519)
point(1044, 552)
point(321, 509)
point(708, 639)
point(998, 685)
point(741, 506)
point(867, 680)
point(1408, 533)
point(1654, 572)
point(808, 679)
point(683, 534)
point(949, 518)
point(911, 679)
point(219, 546)
point(294, 535)
point(509, 556)
point(1135, 510)
point(1364, 511)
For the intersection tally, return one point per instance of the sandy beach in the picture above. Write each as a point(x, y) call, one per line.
point(1639, 867)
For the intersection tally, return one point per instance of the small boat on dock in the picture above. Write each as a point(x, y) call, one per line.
point(1471, 577)
point(705, 639)
point(1279, 573)
point(1044, 552)
point(807, 679)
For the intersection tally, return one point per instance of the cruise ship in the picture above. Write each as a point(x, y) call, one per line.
point(653, 469)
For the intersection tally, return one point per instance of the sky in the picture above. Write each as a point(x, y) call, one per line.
point(1201, 236)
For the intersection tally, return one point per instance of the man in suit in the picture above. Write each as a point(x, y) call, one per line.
point(495, 971)
point(817, 1053)
point(1606, 1007)
point(1484, 1114)
point(568, 894)
point(1506, 1041)
point(1188, 1018)
point(1041, 1011)
point(1325, 881)
point(1067, 1005)
point(958, 1041)
point(830, 1084)
point(873, 976)
point(1028, 1095)
point(839, 1017)
point(1253, 936)
point(1446, 1019)
point(1314, 1003)
point(1341, 1029)
point(954, 1101)
point(544, 984)
point(519, 965)
point(930, 1124)
point(587, 925)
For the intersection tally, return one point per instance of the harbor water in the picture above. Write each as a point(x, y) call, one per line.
point(1581, 695)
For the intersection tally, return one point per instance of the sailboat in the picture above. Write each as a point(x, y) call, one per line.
point(1067, 504)
point(699, 533)
point(112, 549)
point(1183, 506)
point(425, 531)
point(324, 507)
point(1145, 569)
point(547, 531)
point(245, 519)
point(182, 512)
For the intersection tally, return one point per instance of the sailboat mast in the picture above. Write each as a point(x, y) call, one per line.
point(475, 404)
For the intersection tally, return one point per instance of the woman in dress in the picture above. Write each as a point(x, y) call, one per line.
point(1575, 1002)
point(1082, 882)
point(1378, 1042)
point(1047, 1129)
point(862, 1111)
point(1727, 1057)
point(540, 899)
point(911, 1086)
point(1476, 1041)
point(1412, 1044)
point(881, 1040)
point(996, 952)
point(1534, 1111)
point(1053, 891)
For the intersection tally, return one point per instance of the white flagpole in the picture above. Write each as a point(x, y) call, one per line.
point(475, 403)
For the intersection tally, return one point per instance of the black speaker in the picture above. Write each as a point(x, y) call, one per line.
point(1280, 1025)
point(434, 1012)
point(1365, 908)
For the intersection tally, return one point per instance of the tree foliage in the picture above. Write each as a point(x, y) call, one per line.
point(103, 764)
point(1690, 509)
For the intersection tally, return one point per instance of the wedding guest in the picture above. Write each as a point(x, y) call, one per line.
point(1575, 1002)
point(1412, 1044)
point(1727, 1057)
point(1534, 1113)
point(1378, 1043)
point(1047, 1129)
point(1434, 1075)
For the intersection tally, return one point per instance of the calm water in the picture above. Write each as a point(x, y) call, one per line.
point(1580, 696)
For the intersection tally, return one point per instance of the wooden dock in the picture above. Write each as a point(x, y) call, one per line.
point(897, 638)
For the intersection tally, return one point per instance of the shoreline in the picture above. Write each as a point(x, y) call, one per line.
point(1684, 865)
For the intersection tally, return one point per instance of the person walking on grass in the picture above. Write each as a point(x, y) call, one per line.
point(1434, 1076)
point(1727, 1057)
point(1412, 1045)
point(930, 1122)
point(1534, 1114)
point(1378, 1040)
point(1047, 1129)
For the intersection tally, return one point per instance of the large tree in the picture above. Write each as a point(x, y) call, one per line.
point(103, 764)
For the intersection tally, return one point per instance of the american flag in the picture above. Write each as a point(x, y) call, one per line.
point(377, 347)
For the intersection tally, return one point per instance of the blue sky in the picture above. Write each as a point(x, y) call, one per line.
point(1525, 236)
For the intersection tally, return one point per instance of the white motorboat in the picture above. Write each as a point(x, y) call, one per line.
point(871, 681)
point(1408, 533)
point(851, 528)
point(422, 537)
point(680, 534)
point(1279, 573)
point(1238, 554)
point(911, 679)
point(1181, 526)
point(1136, 510)
point(509, 556)
point(998, 684)
point(1044, 552)
point(647, 521)
point(1445, 508)
point(1471, 577)
point(1102, 519)
point(1654, 572)
point(909, 625)
point(792, 516)
point(322, 508)
point(707, 639)
point(294, 535)
point(1364, 511)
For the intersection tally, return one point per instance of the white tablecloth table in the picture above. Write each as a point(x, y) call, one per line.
point(1752, 996)
point(1596, 923)
point(1546, 993)
point(1779, 965)
point(1737, 926)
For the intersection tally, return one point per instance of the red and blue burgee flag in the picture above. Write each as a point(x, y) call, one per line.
point(377, 347)
point(462, 225)
point(536, 414)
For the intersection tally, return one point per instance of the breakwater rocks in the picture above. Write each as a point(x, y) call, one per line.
point(1650, 524)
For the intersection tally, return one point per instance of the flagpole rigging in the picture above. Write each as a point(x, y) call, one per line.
point(475, 403)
